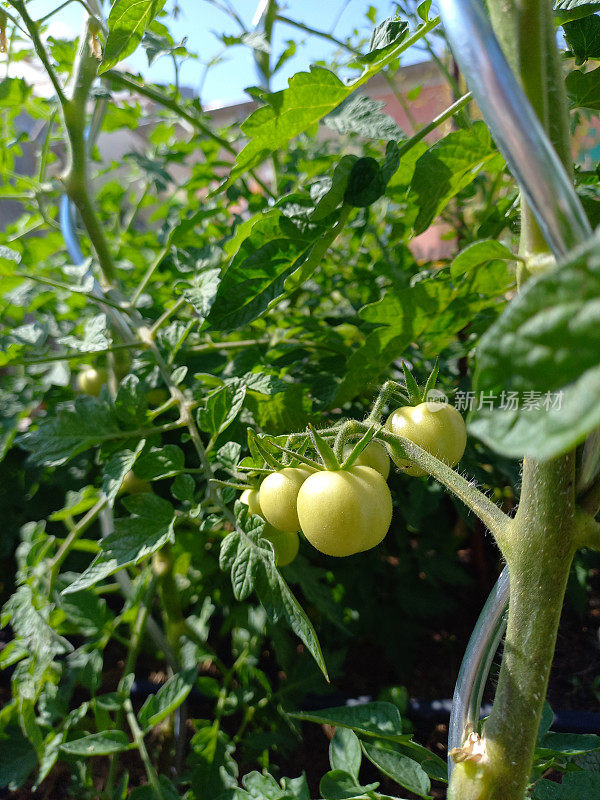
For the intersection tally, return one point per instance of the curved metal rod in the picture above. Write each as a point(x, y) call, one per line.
point(547, 188)
point(514, 125)
point(476, 663)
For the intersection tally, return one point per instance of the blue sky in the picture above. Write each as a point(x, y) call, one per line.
point(199, 20)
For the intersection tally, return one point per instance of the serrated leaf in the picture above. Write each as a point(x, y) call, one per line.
point(251, 563)
point(222, 407)
point(127, 23)
point(583, 89)
point(583, 38)
point(134, 538)
point(574, 9)
point(30, 624)
point(406, 772)
point(117, 467)
point(77, 503)
point(447, 167)
point(94, 336)
point(431, 311)
point(169, 697)
point(131, 402)
point(97, 744)
point(73, 430)
point(204, 291)
point(309, 97)
point(544, 348)
point(159, 462)
point(380, 719)
point(479, 254)
point(363, 116)
point(255, 279)
point(263, 383)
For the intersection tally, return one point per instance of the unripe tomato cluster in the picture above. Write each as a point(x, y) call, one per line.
point(341, 512)
point(348, 510)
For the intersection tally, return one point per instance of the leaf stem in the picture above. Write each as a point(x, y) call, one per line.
point(435, 123)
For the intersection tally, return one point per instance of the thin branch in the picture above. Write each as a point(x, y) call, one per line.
point(41, 51)
point(435, 123)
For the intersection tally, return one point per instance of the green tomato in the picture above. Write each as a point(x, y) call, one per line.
point(278, 495)
point(374, 455)
point(436, 427)
point(134, 485)
point(345, 511)
point(285, 544)
point(250, 498)
point(90, 381)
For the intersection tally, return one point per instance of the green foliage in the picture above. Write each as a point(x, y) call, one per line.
point(127, 23)
point(251, 300)
point(544, 348)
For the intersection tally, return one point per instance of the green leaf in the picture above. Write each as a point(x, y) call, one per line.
point(134, 538)
point(30, 624)
point(384, 38)
point(183, 488)
point(406, 772)
point(378, 719)
point(169, 697)
point(203, 293)
point(18, 758)
point(339, 785)
point(309, 97)
point(255, 279)
point(574, 9)
point(334, 195)
point(77, 503)
point(131, 402)
point(479, 254)
point(583, 89)
point(344, 751)
point(570, 744)
point(222, 407)
point(86, 612)
point(97, 744)
point(583, 38)
point(432, 764)
point(117, 467)
point(447, 167)
point(73, 430)
point(544, 348)
point(363, 116)
point(127, 23)
point(94, 336)
point(263, 787)
point(251, 563)
point(430, 312)
point(574, 786)
point(159, 462)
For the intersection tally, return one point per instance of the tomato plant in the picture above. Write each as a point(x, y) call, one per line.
point(257, 299)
